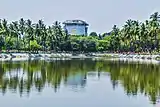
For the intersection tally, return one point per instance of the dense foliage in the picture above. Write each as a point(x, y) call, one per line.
point(134, 36)
point(23, 35)
point(137, 36)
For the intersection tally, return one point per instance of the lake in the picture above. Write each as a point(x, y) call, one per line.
point(79, 83)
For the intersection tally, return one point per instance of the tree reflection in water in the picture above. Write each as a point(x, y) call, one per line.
point(22, 77)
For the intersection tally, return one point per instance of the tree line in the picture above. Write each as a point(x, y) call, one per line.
point(137, 36)
point(134, 36)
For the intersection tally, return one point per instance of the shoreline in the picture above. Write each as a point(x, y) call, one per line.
point(26, 56)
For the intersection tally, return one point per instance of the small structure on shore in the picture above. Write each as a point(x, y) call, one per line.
point(76, 27)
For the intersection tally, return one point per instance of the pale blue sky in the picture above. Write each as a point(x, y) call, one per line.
point(100, 14)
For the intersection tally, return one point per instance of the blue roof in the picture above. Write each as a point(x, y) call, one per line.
point(80, 22)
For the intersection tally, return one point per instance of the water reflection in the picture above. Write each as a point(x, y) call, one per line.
point(23, 77)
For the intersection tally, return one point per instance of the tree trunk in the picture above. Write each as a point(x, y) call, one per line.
point(17, 45)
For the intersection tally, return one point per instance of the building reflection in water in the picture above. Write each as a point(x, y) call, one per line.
point(77, 80)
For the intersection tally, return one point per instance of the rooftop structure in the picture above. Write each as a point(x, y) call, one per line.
point(76, 27)
point(75, 22)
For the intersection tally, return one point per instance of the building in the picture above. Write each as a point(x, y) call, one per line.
point(76, 27)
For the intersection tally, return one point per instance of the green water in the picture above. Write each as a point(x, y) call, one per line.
point(79, 83)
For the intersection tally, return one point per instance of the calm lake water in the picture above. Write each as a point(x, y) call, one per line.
point(79, 83)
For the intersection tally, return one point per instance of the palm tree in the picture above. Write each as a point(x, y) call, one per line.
point(155, 17)
point(155, 29)
point(22, 29)
point(13, 33)
point(51, 37)
point(41, 33)
point(136, 38)
point(44, 37)
point(1, 28)
point(58, 34)
point(29, 31)
point(2, 42)
point(16, 33)
point(128, 33)
point(5, 30)
point(144, 35)
point(149, 37)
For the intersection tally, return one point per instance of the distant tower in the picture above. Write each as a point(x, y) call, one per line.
point(76, 27)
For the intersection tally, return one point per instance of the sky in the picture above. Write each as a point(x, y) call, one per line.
point(101, 15)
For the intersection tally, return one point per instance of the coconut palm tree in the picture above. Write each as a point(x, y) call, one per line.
point(29, 32)
point(16, 33)
point(2, 42)
point(155, 17)
point(44, 37)
point(136, 38)
point(22, 28)
point(58, 34)
point(144, 36)
point(155, 29)
point(51, 38)
point(5, 30)
point(127, 28)
point(41, 33)
point(1, 28)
